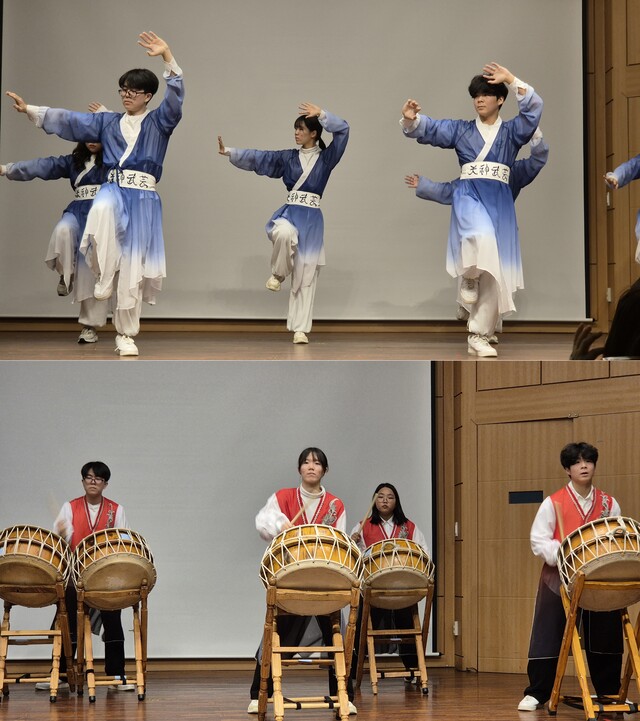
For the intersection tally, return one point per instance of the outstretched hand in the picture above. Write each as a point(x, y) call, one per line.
point(410, 109)
point(18, 102)
point(495, 74)
point(411, 180)
point(611, 181)
point(582, 340)
point(154, 45)
point(309, 110)
point(221, 149)
point(95, 107)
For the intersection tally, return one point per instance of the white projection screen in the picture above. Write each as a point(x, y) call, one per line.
point(195, 449)
point(247, 65)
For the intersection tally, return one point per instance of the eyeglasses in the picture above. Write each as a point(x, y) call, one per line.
point(128, 93)
point(93, 479)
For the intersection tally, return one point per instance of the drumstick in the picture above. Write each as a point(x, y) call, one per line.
point(302, 510)
point(366, 515)
point(556, 505)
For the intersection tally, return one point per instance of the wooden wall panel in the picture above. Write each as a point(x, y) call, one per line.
point(564, 372)
point(509, 569)
point(504, 637)
point(507, 375)
point(633, 41)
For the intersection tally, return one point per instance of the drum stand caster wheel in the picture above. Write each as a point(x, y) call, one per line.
point(53, 699)
point(80, 692)
point(92, 699)
point(425, 691)
point(141, 696)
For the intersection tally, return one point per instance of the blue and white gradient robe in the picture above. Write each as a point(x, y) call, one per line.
point(624, 174)
point(138, 212)
point(483, 230)
point(74, 216)
point(309, 222)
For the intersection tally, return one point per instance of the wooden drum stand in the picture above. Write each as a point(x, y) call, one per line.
point(571, 641)
point(59, 637)
point(87, 599)
point(341, 650)
point(417, 633)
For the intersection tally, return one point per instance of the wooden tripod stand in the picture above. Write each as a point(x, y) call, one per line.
point(341, 650)
point(59, 637)
point(571, 641)
point(418, 634)
point(85, 643)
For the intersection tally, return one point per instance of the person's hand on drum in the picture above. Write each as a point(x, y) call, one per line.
point(356, 536)
point(64, 529)
point(286, 526)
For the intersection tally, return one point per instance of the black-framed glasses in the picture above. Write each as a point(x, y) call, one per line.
point(93, 479)
point(128, 93)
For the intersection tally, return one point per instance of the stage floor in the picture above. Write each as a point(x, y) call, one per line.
point(223, 345)
point(223, 696)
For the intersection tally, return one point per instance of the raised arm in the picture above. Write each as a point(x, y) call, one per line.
point(426, 130)
point(624, 173)
point(332, 124)
point(169, 112)
point(530, 104)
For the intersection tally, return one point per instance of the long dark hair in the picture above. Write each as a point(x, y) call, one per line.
point(311, 124)
point(398, 514)
point(81, 154)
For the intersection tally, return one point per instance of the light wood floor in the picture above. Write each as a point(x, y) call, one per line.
point(243, 345)
point(223, 696)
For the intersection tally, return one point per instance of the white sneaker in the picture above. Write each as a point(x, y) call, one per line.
point(46, 686)
point(125, 345)
point(273, 284)
point(253, 706)
point(123, 687)
point(62, 288)
point(462, 313)
point(493, 339)
point(87, 335)
point(300, 337)
point(479, 345)
point(529, 703)
point(352, 709)
point(103, 289)
point(469, 290)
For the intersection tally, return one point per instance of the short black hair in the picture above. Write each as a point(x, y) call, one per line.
point(573, 452)
point(398, 514)
point(480, 86)
point(100, 469)
point(140, 79)
point(316, 454)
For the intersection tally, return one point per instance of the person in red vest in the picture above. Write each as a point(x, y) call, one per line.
point(388, 520)
point(579, 502)
point(278, 515)
point(78, 519)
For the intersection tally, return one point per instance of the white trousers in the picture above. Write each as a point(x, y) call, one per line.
point(102, 250)
point(284, 237)
point(483, 314)
point(63, 244)
point(93, 312)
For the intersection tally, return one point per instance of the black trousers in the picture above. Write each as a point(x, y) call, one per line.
point(113, 635)
point(291, 630)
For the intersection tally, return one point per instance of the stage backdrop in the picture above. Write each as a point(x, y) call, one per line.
point(195, 450)
point(247, 65)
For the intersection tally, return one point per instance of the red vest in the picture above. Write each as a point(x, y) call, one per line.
point(372, 532)
point(329, 510)
point(81, 522)
point(566, 504)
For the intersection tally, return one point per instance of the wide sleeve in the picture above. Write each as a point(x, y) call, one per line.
point(526, 170)
point(50, 168)
point(360, 542)
point(438, 192)
point(121, 518)
point(543, 543)
point(420, 539)
point(270, 519)
point(524, 125)
point(628, 171)
point(262, 162)
point(80, 127)
point(439, 133)
point(169, 112)
point(64, 520)
point(340, 131)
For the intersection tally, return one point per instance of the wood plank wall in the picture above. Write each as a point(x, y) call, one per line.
point(500, 428)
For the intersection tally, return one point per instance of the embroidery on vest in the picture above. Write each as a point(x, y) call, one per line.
point(110, 517)
point(404, 531)
point(606, 507)
point(331, 515)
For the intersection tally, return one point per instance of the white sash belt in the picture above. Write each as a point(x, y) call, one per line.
point(485, 170)
point(87, 192)
point(132, 179)
point(309, 200)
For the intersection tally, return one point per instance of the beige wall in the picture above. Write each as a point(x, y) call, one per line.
point(500, 428)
